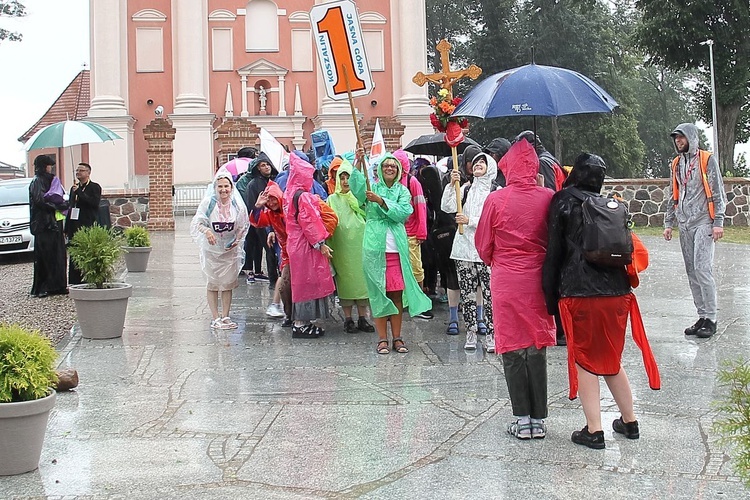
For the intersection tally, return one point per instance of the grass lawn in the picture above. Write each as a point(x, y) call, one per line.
point(734, 234)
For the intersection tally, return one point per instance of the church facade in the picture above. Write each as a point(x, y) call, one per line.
point(201, 62)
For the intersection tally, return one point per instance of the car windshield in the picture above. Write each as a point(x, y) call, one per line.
point(14, 194)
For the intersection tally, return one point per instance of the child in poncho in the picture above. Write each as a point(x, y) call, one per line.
point(219, 228)
point(385, 254)
point(347, 201)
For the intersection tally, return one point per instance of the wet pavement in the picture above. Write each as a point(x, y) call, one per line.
point(175, 410)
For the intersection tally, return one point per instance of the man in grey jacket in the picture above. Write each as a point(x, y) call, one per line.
point(696, 200)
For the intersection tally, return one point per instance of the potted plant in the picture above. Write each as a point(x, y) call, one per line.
point(137, 249)
point(100, 303)
point(27, 375)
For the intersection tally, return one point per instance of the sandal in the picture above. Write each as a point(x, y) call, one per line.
point(228, 323)
point(452, 328)
point(519, 430)
point(382, 347)
point(538, 430)
point(216, 324)
point(400, 346)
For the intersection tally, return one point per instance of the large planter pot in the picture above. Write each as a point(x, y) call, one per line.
point(101, 311)
point(22, 429)
point(136, 258)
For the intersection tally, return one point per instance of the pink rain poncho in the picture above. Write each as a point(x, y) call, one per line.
point(512, 238)
point(310, 270)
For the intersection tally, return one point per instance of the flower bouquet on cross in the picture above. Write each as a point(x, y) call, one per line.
point(444, 104)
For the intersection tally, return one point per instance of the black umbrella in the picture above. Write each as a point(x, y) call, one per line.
point(435, 145)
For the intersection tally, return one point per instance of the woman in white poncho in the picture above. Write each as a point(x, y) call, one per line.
point(219, 226)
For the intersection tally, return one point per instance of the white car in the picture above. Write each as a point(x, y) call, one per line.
point(15, 234)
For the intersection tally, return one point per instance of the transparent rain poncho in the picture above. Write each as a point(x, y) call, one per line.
point(229, 224)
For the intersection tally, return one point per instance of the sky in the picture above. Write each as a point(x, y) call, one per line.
point(35, 71)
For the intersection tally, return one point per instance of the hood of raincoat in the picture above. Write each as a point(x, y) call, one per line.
point(262, 157)
point(491, 174)
point(520, 164)
point(588, 173)
point(332, 180)
point(690, 131)
point(300, 176)
point(343, 167)
point(389, 156)
point(274, 191)
point(403, 159)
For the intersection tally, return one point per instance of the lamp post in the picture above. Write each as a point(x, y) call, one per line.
point(710, 44)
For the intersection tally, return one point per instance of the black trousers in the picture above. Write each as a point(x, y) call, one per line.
point(526, 376)
point(49, 262)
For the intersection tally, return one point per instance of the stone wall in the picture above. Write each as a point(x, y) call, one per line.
point(647, 199)
point(127, 207)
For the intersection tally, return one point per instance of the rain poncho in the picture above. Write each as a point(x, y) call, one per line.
point(398, 200)
point(512, 239)
point(480, 188)
point(416, 224)
point(310, 270)
point(266, 217)
point(346, 242)
point(229, 223)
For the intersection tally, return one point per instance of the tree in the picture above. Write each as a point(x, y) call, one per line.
point(11, 9)
point(671, 31)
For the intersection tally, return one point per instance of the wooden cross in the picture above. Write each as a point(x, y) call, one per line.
point(447, 78)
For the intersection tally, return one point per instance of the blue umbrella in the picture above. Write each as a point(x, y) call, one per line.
point(535, 90)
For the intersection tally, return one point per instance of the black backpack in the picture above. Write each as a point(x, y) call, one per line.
point(606, 236)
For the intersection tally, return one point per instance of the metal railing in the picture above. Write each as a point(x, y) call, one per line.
point(187, 197)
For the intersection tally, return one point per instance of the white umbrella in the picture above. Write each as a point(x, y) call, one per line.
point(70, 133)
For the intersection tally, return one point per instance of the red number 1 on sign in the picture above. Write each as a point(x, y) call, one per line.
point(334, 26)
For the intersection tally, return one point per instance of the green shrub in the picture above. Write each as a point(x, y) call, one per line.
point(733, 422)
point(27, 364)
point(137, 236)
point(95, 251)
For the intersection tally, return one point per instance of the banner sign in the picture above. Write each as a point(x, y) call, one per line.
point(341, 49)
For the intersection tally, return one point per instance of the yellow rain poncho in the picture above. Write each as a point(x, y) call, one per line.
point(346, 242)
point(398, 200)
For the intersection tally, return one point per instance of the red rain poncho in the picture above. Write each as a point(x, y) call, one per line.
point(512, 238)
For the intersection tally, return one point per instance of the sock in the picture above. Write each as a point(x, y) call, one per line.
point(537, 420)
point(453, 314)
point(480, 313)
point(524, 420)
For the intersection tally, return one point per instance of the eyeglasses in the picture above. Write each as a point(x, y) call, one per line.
point(390, 166)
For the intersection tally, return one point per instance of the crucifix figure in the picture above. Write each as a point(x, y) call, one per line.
point(447, 78)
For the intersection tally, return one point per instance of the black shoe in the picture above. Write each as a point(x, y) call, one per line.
point(41, 295)
point(364, 326)
point(707, 329)
point(592, 440)
point(560, 340)
point(305, 332)
point(350, 327)
point(286, 323)
point(628, 429)
point(692, 330)
point(425, 315)
point(261, 277)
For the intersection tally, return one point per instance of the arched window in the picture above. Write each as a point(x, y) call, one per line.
point(261, 26)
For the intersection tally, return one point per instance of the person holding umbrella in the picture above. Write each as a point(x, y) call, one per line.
point(47, 227)
point(84, 199)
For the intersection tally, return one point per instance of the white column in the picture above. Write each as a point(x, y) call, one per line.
point(409, 39)
point(109, 61)
point(190, 46)
point(244, 112)
point(282, 99)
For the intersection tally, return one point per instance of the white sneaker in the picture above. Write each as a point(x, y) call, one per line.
point(275, 311)
point(489, 342)
point(471, 339)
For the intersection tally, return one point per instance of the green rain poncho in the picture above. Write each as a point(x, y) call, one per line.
point(398, 200)
point(346, 242)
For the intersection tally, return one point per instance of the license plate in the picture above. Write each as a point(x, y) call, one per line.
point(9, 240)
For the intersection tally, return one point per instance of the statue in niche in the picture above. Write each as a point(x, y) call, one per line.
point(263, 99)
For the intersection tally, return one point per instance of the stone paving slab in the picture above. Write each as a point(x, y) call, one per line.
point(174, 410)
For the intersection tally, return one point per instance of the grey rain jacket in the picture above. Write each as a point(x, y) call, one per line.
point(566, 272)
point(692, 207)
